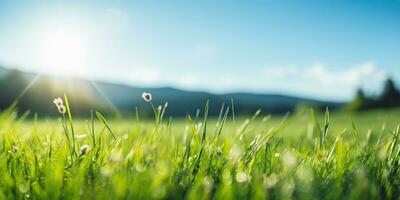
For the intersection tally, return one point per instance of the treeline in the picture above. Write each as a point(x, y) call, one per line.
point(389, 97)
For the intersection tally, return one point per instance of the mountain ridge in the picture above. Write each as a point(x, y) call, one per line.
point(123, 98)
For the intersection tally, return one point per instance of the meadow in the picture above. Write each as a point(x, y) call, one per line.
point(304, 155)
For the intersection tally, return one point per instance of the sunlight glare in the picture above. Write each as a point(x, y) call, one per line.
point(63, 51)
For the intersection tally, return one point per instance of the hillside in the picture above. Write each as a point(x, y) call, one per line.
point(112, 98)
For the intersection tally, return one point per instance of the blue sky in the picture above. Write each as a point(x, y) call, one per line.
point(319, 49)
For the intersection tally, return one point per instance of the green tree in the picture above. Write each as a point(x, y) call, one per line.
point(361, 101)
point(390, 96)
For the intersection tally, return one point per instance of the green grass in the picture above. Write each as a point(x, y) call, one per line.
point(301, 156)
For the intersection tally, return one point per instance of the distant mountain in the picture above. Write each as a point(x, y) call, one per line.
point(3, 72)
point(36, 94)
point(182, 102)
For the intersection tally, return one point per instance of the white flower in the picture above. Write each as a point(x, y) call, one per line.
point(289, 160)
point(106, 171)
point(62, 109)
point(14, 149)
point(58, 101)
point(242, 177)
point(271, 180)
point(84, 149)
point(146, 96)
point(60, 105)
point(115, 156)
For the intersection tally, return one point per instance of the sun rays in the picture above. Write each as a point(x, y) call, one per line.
point(65, 85)
point(27, 87)
point(98, 89)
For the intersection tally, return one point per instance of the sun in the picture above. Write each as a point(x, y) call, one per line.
point(63, 51)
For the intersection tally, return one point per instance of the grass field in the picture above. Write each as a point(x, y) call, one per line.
point(301, 156)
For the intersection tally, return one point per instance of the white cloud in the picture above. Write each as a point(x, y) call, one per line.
point(227, 80)
point(322, 81)
point(277, 72)
point(316, 80)
point(156, 77)
point(146, 75)
point(366, 74)
point(187, 80)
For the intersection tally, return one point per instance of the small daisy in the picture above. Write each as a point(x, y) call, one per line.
point(84, 149)
point(60, 105)
point(58, 101)
point(14, 149)
point(62, 109)
point(147, 96)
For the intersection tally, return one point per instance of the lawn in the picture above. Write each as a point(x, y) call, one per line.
point(304, 155)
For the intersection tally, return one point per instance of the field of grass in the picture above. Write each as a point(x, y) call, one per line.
point(301, 156)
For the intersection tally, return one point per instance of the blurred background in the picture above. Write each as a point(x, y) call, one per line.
point(277, 56)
